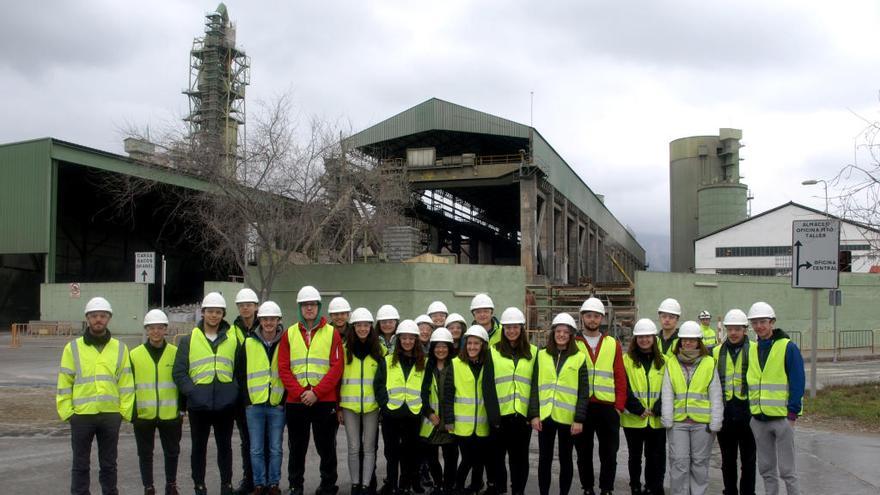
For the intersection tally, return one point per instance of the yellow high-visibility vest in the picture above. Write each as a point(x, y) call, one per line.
point(434, 401)
point(733, 373)
point(92, 382)
point(513, 381)
point(310, 363)
point(768, 386)
point(263, 381)
point(601, 373)
point(468, 406)
point(155, 393)
point(357, 393)
point(557, 394)
point(646, 388)
point(403, 391)
point(692, 399)
point(205, 365)
point(709, 337)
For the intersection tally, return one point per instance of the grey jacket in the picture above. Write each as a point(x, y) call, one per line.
point(716, 399)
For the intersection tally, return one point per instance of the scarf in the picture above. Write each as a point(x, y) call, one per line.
point(688, 356)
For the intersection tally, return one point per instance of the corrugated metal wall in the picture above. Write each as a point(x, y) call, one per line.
point(25, 197)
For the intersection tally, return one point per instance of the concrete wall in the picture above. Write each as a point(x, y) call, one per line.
point(719, 293)
point(129, 302)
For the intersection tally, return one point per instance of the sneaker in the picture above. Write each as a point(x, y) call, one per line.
point(200, 490)
point(227, 489)
point(274, 490)
point(245, 487)
point(258, 490)
point(295, 491)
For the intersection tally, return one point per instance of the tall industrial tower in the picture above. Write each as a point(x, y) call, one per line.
point(705, 193)
point(219, 73)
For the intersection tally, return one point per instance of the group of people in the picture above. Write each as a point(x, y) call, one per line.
point(456, 403)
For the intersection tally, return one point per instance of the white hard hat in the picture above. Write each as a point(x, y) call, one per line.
point(246, 295)
point(155, 317)
point(564, 319)
point(761, 310)
point(513, 316)
point(442, 335)
point(735, 317)
point(593, 304)
point(269, 308)
point(338, 305)
point(424, 319)
point(705, 314)
point(361, 315)
point(407, 327)
point(670, 306)
point(455, 318)
point(308, 294)
point(645, 326)
point(690, 330)
point(477, 331)
point(481, 301)
point(437, 307)
point(98, 304)
point(214, 300)
point(387, 312)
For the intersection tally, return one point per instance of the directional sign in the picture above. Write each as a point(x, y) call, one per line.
point(814, 248)
point(145, 267)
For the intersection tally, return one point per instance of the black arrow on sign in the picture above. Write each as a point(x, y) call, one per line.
point(798, 264)
point(144, 275)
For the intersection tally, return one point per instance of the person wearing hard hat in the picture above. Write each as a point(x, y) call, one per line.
point(732, 362)
point(645, 435)
point(468, 393)
point(264, 396)
point(386, 320)
point(157, 402)
point(339, 311)
point(692, 411)
point(456, 324)
point(438, 313)
point(433, 431)
point(607, 377)
point(95, 393)
point(205, 371)
point(398, 388)
point(558, 401)
point(512, 365)
point(310, 362)
point(710, 338)
point(358, 409)
point(426, 328)
point(668, 314)
point(244, 325)
point(776, 389)
point(483, 309)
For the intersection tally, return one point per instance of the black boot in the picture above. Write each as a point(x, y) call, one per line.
point(245, 487)
point(200, 490)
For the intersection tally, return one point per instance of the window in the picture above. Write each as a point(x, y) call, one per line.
point(739, 251)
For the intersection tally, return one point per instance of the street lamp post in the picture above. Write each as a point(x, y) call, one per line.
point(833, 292)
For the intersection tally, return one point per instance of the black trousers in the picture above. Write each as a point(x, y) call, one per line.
point(652, 443)
point(200, 424)
point(320, 421)
point(443, 476)
point(510, 440)
point(546, 438)
point(84, 428)
point(145, 438)
point(400, 436)
point(241, 423)
point(473, 459)
point(737, 435)
point(604, 423)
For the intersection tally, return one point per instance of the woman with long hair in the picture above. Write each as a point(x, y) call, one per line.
point(387, 319)
point(692, 411)
point(456, 325)
point(399, 393)
point(558, 401)
point(512, 364)
point(645, 366)
point(358, 409)
point(433, 433)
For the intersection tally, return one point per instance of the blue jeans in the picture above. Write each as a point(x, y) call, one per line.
point(265, 421)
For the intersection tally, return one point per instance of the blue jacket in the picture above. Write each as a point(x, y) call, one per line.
point(794, 369)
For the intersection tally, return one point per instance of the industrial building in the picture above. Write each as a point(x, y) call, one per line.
point(705, 192)
point(761, 245)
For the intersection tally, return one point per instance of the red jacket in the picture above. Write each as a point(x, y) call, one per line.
point(619, 373)
point(327, 388)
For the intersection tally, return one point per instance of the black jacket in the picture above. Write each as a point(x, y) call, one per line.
point(583, 397)
point(214, 396)
point(156, 354)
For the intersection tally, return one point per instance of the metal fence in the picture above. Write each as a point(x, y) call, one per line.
point(855, 339)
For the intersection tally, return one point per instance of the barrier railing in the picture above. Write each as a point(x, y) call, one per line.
point(855, 339)
point(796, 337)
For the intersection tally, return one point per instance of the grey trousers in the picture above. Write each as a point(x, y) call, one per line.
point(362, 431)
point(690, 446)
point(774, 440)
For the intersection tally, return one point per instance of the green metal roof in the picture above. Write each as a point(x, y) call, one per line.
point(440, 115)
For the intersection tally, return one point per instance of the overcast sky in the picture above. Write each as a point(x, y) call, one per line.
point(614, 82)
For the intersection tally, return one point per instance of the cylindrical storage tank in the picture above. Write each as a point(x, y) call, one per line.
point(688, 157)
point(721, 205)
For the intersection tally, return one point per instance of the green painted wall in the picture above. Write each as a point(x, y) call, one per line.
point(129, 302)
point(719, 293)
point(25, 197)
